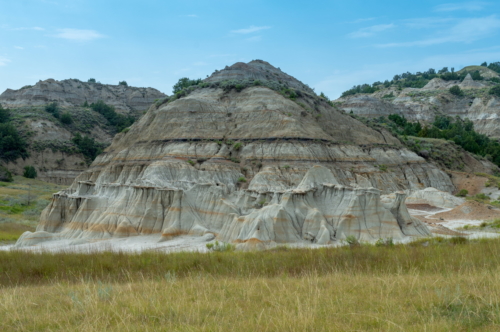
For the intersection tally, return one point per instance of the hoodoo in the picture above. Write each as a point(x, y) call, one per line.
point(251, 155)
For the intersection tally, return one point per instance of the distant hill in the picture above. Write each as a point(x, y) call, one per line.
point(66, 123)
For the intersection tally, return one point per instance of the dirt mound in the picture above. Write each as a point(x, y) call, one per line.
point(470, 182)
point(470, 211)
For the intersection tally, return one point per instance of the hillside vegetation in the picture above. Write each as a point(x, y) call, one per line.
point(420, 79)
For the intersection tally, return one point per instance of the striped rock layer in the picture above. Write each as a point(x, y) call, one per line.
point(251, 167)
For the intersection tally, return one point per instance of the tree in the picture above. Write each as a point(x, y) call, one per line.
point(124, 83)
point(455, 90)
point(495, 91)
point(29, 172)
point(4, 115)
point(184, 83)
point(12, 145)
point(53, 109)
point(91, 80)
point(484, 64)
point(66, 118)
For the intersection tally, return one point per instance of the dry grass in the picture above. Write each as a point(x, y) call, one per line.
point(21, 203)
point(334, 302)
point(431, 285)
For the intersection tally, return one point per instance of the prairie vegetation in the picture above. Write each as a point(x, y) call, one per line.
point(21, 203)
point(432, 285)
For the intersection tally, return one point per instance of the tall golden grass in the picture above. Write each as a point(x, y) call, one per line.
point(431, 285)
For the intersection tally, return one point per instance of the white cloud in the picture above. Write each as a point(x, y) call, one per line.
point(19, 47)
point(427, 22)
point(78, 35)
point(370, 31)
point(4, 61)
point(251, 29)
point(465, 31)
point(30, 28)
point(467, 6)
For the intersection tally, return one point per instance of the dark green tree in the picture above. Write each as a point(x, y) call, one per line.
point(12, 145)
point(66, 118)
point(29, 172)
point(455, 90)
point(184, 83)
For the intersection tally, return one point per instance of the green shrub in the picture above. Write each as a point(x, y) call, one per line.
point(242, 179)
point(455, 90)
point(237, 146)
point(220, 246)
point(124, 83)
point(66, 118)
point(5, 174)
point(29, 172)
point(53, 109)
point(462, 193)
point(4, 115)
point(352, 240)
point(383, 168)
point(91, 80)
point(184, 83)
point(87, 146)
point(190, 162)
point(495, 91)
point(12, 145)
point(119, 121)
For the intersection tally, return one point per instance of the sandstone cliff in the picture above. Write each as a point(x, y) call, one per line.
point(250, 165)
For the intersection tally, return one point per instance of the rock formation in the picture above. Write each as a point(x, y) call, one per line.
point(251, 166)
point(51, 150)
point(433, 99)
point(73, 93)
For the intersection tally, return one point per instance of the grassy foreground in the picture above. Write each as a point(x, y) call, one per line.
point(432, 285)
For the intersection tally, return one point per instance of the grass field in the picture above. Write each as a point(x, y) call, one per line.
point(431, 285)
point(21, 203)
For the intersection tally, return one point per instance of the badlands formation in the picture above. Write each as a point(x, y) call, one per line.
point(245, 164)
point(50, 146)
point(74, 93)
point(433, 99)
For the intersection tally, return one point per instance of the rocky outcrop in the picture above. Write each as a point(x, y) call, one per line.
point(73, 92)
point(434, 99)
point(251, 167)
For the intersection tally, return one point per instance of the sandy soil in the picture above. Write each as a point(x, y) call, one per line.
point(470, 210)
point(472, 183)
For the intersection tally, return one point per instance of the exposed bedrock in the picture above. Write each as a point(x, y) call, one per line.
point(251, 167)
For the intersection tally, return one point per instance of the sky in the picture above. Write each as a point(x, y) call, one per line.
point(329, 45)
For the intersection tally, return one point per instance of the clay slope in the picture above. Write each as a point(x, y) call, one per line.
point(252, 167)
point(431, 100)
point(74, 93)
point(51, 150)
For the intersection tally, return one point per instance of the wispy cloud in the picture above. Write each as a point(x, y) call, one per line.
point(467, 6)
point(19, 47)
point(4, 61)
point(79, 35)
point(251, 29)
point(370, 31)
point(465, 31)
point(427, 22)
point(28, 28)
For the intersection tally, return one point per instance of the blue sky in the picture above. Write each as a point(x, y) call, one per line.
point(330, 45)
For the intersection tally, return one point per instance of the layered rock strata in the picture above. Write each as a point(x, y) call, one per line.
point(73, 93)
point(251, 167)
point(434, 99)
